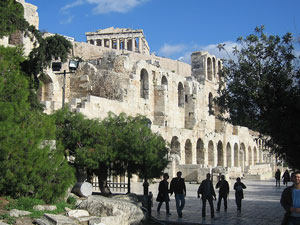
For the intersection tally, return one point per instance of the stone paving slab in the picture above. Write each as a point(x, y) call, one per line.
point(261, 206)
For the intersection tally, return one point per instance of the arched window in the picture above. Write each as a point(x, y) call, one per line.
point(219, 69)
point(220, 154)
point(180, 95)
point(188, 151)
point(209, 69)
point(200, 152)
point(236, 155)
point(211, 155)
point(210, 104)
point(164, 82)
point(144, 82)
point(228, 155)
point(214, 67)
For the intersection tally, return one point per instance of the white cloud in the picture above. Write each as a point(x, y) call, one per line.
point(71, 5)
point(121, 6)
point(67, 20)
point(168, 50)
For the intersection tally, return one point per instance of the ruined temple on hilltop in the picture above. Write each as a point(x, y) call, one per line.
point(120, 39)
point(119, 75)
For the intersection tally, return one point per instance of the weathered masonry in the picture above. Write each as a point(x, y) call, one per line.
point(119, 75)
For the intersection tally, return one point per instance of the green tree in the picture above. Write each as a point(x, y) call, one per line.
point(28, 165)
point(139, 150)
point(260, 90)
point(118, 144)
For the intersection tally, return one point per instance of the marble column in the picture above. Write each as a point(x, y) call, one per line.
point(118, 44)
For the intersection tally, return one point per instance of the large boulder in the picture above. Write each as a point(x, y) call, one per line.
point(114, 211)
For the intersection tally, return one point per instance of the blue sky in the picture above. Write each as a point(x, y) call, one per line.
point(173, 28)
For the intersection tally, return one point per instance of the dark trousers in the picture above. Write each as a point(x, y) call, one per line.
point(224, 197)
point(211, 204)
point(278, 182)
point(167, 206)
point(238, 203)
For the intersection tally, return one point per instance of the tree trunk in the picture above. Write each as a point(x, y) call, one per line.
point(102, 179)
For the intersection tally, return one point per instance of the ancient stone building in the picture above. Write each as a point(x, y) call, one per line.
point(119, 75)
point(116, 38)
point(18, 38)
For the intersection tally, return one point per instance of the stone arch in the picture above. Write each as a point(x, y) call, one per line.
point(219, 69)
point(220, 154)
point(211, 155)
point(46, 88)
point(250, 162)
point(242, 155)
point(254, 156)
point(188, 151)
point(209, 69)
point(200, 154)
point(228, 154)
point(210, 104)
point(214, 67)
point(236, 155)
point(175, 146)
point(144, 84)
point(180, 95)
point(164, 81)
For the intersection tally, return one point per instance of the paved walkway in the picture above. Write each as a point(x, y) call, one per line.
point(261, 206)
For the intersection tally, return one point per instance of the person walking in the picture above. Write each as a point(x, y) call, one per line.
point(163, 194)
point(277, 177)
point(239, 194)
point(290, 201)
point(223, 192)
point(178, 187)
point(286, 177)
point(207, 192)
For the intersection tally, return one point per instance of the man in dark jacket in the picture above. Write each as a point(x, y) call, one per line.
point(178, 187)
point(239, 194)
point(223, 192)
point(207, 192)
point(290, 201)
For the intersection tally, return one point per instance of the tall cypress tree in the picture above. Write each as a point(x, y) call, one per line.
point(28, 165)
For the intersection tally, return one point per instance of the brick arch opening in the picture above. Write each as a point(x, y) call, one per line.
point(255, 156)
point(188, 151)
point(211, 155)
point(228, 155)
point(214, 67)
point(210, 104)
point(46, 89)
point(220, 161)
point(250, 161)
point(164, 81)
point(180, 95)
point(200, 154)
point(242, 156)
point(236, 155)
point(144, 84)
point(175, 146)
point(209, 69)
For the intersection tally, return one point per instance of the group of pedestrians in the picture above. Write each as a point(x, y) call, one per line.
point(206, 190)
point(285, 177)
